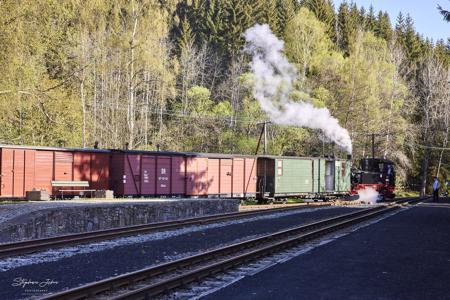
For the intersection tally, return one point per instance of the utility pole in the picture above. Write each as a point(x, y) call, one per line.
point(371, 136)
point(265, 137)
point(263, 133)
point(373, 145)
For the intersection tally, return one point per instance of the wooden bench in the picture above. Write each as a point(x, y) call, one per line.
point(72, 184)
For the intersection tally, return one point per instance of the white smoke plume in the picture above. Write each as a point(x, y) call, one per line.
point(368, 195)
point(274, 77)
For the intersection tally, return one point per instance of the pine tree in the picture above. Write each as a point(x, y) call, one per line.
point(400, 25)
point(285, 11)
point(411, 41)
point(187, 37)
point(239, 17)
point(355, 16)
point(324, 11)
point(346, 28)
point(370, 19)
point(265, 12)
point(363, 18)
point(383, 27)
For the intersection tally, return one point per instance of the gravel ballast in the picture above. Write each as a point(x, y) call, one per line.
point(74, 266)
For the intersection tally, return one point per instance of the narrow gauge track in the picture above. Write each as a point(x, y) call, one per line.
point(29, 246)
point(159, 279)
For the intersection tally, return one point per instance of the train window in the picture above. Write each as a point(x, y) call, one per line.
point(280, 163)
point(280, 167)
point(389, 169)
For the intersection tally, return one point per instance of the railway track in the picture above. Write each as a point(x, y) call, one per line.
point(156, 280)
point(30, 246)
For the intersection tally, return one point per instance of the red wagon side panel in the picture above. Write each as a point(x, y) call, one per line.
point(238, 177)
point(19, 173)
point(214, 176)
point(132, 175)
point(99, 168)
point(163, 175)
point(82, 166)
point(178, 175)
point(7, 172)
point(117, 180)
point(250, 177)
point(43, 174)
point(148, 176)
point(29, 171)
point(63, 165)
point(226, 169)
point(196, 173)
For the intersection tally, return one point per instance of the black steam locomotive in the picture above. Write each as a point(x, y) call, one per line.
point(375, 173)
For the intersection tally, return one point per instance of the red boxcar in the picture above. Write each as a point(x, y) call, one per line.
point(148, 173)
point(24, 169)
point(220, 175)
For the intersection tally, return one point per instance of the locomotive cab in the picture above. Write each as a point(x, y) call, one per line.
point(376, 173)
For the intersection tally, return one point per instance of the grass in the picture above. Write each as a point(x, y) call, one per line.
point(295, 201)
point(289, 201)
point(7, 201)
point(400, 194)
point(249, 202)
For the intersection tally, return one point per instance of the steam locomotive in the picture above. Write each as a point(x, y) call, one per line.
point(375, 173)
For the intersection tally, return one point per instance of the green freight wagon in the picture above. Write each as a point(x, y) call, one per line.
point(282, 177)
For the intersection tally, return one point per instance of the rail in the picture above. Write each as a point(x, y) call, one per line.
point(161, 278)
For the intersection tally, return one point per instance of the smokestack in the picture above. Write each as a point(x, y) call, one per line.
point(96, 145)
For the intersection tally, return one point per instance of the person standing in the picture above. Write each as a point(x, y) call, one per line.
point(435, 189)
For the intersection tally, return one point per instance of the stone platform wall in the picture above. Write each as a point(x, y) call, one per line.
point(55, 221)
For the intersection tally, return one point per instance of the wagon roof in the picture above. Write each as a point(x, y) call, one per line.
point(148, 152)
point(169, 153)
point(53, 148)
point(217, 155)
point(302, 157)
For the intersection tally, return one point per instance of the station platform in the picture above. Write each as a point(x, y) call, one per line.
point(405, 256)
point(31, 220)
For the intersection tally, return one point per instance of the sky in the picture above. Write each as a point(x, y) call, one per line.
point(427, 19)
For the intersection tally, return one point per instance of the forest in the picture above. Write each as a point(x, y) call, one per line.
point(172, 75)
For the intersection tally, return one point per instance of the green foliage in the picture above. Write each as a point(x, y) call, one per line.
point(346, 27)
point(306, 40)
point(324, 12)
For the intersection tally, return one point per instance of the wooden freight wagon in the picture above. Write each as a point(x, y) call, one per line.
point(220, 175)
point(148, 173)
point(282, 177)
point(25, 169)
